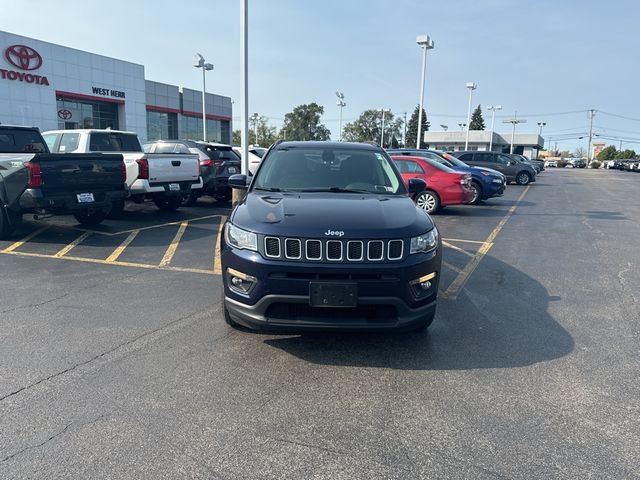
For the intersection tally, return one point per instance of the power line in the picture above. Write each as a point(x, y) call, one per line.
point(619, 116)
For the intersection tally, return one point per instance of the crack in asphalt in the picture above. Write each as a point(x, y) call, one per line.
point(32, 447)
point(108, 352)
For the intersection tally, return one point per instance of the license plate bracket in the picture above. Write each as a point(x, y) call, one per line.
point(174, 187)
point(333, 295)
point(85, 198)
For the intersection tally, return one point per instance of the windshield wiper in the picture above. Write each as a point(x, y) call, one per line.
point(334, 189)
point(269, 189)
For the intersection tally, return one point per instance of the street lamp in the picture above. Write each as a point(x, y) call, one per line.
point(199, 62)
point(462, 125)
point(383, 111)
point(471, 86)
point(341, 103)
point(493, 109)
point(254, 118)
point(541, 124)
point(425, 43)
point(444, 127)
point(513, 121)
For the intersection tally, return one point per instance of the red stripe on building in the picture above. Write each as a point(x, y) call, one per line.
point(81, 96)
point(209, 116)
point(155, 108)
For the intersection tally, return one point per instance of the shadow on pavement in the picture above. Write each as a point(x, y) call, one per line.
point(500, 321)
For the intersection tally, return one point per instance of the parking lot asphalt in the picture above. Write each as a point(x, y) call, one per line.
point(115, 361)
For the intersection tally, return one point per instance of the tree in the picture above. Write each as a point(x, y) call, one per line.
point(267, 134)
point(607, 153)
point(303, 123)
point(625, 155)
point(368, 127)
point(580, 152)
point(412, 129)
point(477, 120)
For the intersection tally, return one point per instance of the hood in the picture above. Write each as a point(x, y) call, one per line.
point(491, 171)
point(313, 215)
point(477, 169)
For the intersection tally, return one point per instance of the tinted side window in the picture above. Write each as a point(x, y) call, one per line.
point(466, 157)
point(503, 159)
point(402, 166)
point(69, 142)
point(21, 141)
point(114, 142)
point(50, 140)
point(483, 157)
point(414, 167)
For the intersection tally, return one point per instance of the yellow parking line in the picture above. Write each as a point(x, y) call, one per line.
point(19, 243)
point(461, 240)
point(72, 245)
point(217, 268)
point(457, 249)
point(459, 282)
point(160, 225)
point(116, 263)
point(171, 251)
point(118, 251)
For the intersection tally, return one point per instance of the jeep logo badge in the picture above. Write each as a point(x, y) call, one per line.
point(336, 233)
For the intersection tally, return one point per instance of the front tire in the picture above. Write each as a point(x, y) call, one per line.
point(428, 201)
point(6, 227)
point(168, 204)
point(90, 218)
point(225, 313)
point(523, 178)
point(477, 193)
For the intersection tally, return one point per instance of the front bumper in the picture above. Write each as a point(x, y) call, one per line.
point(280, 298)
point(35, 199)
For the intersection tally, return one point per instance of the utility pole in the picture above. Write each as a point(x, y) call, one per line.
point(383, 111)
point(404, 133)
point(513, 121)
point(592, 113)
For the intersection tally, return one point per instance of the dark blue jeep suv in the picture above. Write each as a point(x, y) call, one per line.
point(328, 237)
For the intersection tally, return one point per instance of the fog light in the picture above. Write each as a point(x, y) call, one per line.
point(240, 282)
point(422, 285)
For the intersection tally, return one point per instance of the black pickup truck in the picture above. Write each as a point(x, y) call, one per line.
point(32, 180)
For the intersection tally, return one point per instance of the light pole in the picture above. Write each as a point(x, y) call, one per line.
point(592, 113)
point(254, 118)
point(425, 43)
point(383, 111)
point(471, 86)
point(444, 127)
point(513, 121)
point(541, 124)
point(493, 109)
point(462, 125)
point(244, 89)
point(341, 103)
point(199, 62)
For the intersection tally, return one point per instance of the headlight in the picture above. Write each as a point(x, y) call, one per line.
point(425, 243)
point(239, 238)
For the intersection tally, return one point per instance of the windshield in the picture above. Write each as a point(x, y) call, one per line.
point(328, 169)
point(456, 161)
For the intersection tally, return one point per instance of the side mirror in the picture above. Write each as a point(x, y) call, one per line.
point(239, 181)
point(417, 185)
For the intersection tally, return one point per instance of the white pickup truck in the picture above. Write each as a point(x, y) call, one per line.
point(164, 178)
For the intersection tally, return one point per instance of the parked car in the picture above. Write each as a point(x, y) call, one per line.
point(328, 238)
point(445, 186)
point(518, 172)
point(485, 183)
point(537, 165)
point(551, 163)
point(577, 162)
point(163, 178)
point(217, 163)
point(255, 157)
point(36, 181)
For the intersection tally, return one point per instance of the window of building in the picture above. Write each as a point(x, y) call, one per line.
point(162, 126)
point(87, 114)
point(217, 130)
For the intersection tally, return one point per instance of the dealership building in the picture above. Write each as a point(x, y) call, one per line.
point(528, 144)
point(54, 87)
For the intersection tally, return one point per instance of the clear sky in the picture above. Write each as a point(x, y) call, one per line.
point(539, 57)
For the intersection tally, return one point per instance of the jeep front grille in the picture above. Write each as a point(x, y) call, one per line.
point(333, 250)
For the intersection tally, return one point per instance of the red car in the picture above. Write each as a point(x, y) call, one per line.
point(444, 185)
